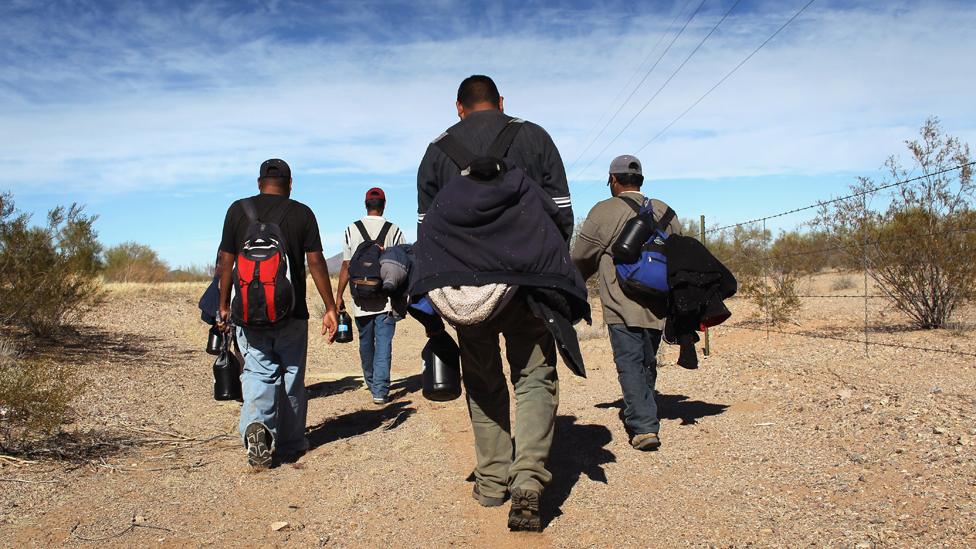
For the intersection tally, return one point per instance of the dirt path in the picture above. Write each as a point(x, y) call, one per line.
point(780, 442)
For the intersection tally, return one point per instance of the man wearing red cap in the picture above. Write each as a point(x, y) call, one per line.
point(373, 315)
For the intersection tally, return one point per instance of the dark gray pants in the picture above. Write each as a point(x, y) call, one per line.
point(635, 353)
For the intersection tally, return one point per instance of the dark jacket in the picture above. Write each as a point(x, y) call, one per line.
point(532, 150)
point(699, 285)
point(503, 231)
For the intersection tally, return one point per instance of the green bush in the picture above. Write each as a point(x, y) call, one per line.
point(34, 397)
point(134, 262)
point(49, 273)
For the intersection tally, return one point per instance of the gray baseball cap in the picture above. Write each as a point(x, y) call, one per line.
point(625, 163)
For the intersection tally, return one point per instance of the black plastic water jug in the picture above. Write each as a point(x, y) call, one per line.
point(227, 375)
point(215, 341)
point(442, 368)
point(344, 328)
point(636, 232)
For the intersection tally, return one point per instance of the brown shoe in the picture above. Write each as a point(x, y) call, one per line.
point(487, 501)
point(646, 442)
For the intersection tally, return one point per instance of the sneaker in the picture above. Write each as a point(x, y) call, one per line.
point(259, 445)
point(646, 442)
point(380, 401)
point(486, 501)
point(524, 516)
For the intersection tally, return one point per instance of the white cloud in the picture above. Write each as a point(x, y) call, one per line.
point(839, 90)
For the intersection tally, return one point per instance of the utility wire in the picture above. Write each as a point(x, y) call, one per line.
point(639, 84)
point(726, 77)
point(659, 90)
point(842, 198)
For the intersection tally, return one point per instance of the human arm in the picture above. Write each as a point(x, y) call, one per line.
point(319, 270)
point(341, 287)
point(591, 243)
point(554, 182)
point(225, 266)
point(427, 182)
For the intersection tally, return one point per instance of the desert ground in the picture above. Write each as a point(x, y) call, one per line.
point(775, 441)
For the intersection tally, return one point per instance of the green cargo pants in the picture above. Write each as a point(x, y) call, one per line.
point(531, 354)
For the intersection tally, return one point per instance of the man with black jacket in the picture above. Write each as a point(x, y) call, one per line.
point(530, 346)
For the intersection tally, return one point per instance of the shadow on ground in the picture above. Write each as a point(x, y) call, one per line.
point(81, 347)
point(405, 386)
point(360, 422)
point(675, 407)
point(335, 387)
point(577, 449)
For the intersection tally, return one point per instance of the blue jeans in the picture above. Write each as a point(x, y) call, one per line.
point(376, 351)
point(635, 353)
point(274, 382)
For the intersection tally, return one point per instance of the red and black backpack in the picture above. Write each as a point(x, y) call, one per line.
point(263, 292)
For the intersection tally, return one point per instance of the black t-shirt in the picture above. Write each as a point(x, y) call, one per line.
point(299, 228)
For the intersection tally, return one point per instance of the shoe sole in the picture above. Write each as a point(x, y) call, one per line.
point(524, 516)
point(258, 452)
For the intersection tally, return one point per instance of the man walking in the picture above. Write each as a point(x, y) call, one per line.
point(530, 347)
point(373, 314)
point(273, 415)
point(635, 332)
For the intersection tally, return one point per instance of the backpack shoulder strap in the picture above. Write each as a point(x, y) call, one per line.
point(362, 230)
point(662, 224)
point(249, 211)
point(503, 141)
point(458, 153)
point(633, 205)
point(381, 238)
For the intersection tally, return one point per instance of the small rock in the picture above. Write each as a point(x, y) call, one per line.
point(857, 458)
point(138, 519)
point(963, 440)
point(866, 408)
point(844, 394)
point(279, 526)
point(936, 390)
point(766, 531)
point(863, 545)
point(939, 430)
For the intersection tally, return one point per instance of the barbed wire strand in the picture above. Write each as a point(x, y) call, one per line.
point(842, 198)
point(847, 339)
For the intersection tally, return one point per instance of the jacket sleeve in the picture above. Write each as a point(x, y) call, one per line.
point(554, 183)
point(589, 246)
point(427, 182)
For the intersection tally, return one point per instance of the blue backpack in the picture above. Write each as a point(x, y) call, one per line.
point(647, 276)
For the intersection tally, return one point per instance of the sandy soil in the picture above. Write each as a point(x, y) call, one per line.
point(777, 441)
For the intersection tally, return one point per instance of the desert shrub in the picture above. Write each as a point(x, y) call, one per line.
point(134, 262)
point(49, 273)
point(920, 244)
point(34, 397)
point(842, 283)
point(193, 273)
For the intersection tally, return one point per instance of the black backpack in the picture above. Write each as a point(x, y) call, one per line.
point(365, 281)
point(263, 292)
point(482, 168)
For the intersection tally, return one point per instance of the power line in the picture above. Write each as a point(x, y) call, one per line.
point(726, 77)
point(842, 198)
point(641, 83)
point(659, 90)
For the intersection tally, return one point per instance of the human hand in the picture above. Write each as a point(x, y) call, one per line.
point(330, 323)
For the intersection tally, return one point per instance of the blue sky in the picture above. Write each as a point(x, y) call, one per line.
point(156, 115)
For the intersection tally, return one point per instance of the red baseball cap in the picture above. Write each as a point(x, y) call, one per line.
point(375, 192)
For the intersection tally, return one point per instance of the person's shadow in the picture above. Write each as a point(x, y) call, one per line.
point(359, 422)
point(675, 407)
point(335, 387)
point(577, 449)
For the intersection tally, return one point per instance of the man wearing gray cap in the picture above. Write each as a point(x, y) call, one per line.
point(635, 331)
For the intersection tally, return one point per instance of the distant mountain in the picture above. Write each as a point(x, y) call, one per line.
point(334, 263)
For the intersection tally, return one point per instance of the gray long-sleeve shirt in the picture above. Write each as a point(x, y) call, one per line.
point(533, 151)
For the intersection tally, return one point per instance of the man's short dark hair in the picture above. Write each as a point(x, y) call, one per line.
point(280, 182)
point(629, 179)
point(476, 89)
point(374, 204)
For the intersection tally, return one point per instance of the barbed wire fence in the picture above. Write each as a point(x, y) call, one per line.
point(762, 259)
